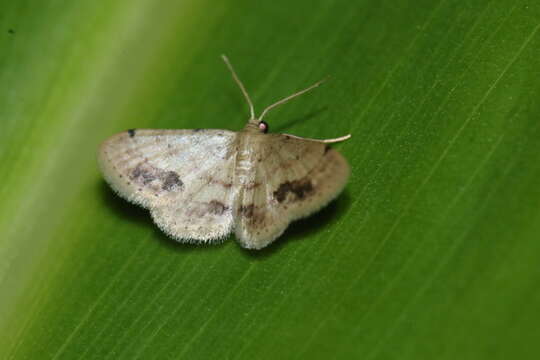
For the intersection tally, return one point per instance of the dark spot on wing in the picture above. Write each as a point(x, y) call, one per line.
point(252, 214)
point(197, 130)
point(217, 208)
point(143, 174)
point(247, 210)
point(252, 185)
point(171, 180)
point(148, 178)
point(131, 132)
point(299, 188)
point(226, 185)
point(146, 174)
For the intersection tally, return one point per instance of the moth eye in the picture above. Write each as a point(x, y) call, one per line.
point(263, 126)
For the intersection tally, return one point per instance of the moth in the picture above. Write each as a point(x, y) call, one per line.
point(200, 185)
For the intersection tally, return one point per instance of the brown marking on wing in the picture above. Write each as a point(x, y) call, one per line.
point(253, 214)
point(171, 180)
point(226, 185)
point(247, 210)
point(143, 174)
point(299, 188)
point(217, 208)
point(213, 207)
point(252, 185)
point(146, 174)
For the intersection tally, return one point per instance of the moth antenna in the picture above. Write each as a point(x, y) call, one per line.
point(325, 141)
point(336, 140)
point(283, 101)
point(235, 77)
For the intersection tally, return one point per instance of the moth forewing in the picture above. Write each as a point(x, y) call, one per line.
point(184, 177)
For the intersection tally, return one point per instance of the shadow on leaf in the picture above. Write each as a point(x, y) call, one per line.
point(298, 120)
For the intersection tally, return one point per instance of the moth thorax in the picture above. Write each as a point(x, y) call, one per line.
point(244, 165)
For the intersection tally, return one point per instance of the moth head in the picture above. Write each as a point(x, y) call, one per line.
point(263, 127)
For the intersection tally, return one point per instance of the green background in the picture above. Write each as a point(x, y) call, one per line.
point(432, 252)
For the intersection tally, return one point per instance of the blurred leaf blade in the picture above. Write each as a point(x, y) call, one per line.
point(431, 251)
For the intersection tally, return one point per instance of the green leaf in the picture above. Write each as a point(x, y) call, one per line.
point(432, 252)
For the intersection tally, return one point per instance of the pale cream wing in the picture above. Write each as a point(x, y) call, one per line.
point(185, 178)
point(292, 178)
